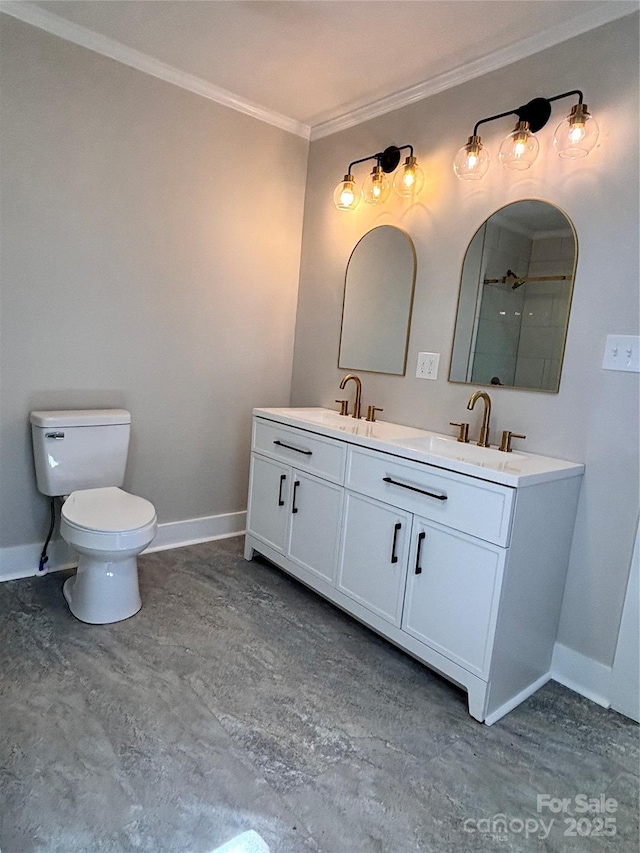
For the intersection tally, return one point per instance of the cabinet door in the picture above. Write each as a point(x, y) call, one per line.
point(314, 534)
point(373, 563)
point(453, 589)
point(268, 501)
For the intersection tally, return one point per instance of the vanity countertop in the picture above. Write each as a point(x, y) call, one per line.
point(488, 463)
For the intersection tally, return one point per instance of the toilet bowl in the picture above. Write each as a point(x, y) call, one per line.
point(108, 527)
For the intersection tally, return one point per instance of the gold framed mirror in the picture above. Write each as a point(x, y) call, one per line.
point(378, 300)
point(515, 297)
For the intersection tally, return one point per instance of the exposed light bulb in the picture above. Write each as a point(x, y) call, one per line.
point(520, 149)
point(472, 160)
point(345, 196)
point(375, 189)
point(409, 179)
point(577, 135)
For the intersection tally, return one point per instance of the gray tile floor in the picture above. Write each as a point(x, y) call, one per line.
point(237, 699)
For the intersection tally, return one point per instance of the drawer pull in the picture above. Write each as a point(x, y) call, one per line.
point(414, 489)
point(421, 538)
point(289, 447)
point(396, 530)
point(283, 477)
point(294, 508)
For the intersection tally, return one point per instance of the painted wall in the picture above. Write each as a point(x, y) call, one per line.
point(150, 259)
point(594, 417)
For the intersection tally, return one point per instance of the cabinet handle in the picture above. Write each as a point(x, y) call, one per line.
point(289, 447)
point(283, 477)
point(414, 489)
point(294, 508)
point(421, 538)
point(396, 530)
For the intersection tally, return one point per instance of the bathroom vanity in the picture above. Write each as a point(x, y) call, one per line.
point(455, 553)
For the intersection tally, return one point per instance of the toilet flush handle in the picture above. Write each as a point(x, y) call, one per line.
point(55, 435)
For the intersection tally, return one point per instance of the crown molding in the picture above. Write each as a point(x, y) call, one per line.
point(54, 24)
point(83, 36)
point(592, 19)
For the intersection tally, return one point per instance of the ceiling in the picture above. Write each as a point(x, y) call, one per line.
point(319, 64)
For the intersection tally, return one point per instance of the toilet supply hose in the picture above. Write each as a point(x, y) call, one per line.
point(43, 556)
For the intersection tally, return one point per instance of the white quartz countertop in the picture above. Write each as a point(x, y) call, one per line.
point(488, 463)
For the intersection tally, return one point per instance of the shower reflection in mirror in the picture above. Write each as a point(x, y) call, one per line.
point(515, 298)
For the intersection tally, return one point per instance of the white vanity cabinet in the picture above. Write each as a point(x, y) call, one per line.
point(456, 556)
point(452, 594)
point(374, 556)
point(292, 511)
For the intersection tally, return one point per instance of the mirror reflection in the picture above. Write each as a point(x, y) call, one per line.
point(378, 297)
point(515, 298)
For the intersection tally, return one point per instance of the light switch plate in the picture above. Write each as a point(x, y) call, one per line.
point(428, 365)
point(622, 352)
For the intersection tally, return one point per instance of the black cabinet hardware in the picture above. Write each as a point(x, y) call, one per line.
point(415, 489)
point(396, 530)
point(421, 538)
point(289, 447)
point(283, 477)
point(294, 508)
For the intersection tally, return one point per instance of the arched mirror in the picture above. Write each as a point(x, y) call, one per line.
point(515, 298)
point(378, 297)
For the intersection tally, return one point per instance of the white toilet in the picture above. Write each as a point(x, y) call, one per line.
point(83, 454)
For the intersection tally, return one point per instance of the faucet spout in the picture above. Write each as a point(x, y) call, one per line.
point(483, 441)
point(358, 401)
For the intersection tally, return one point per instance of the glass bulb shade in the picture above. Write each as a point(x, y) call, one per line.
point(408, 180)
point(577, 135)
point(375, 188)
point(346, 196)
point(472, 160)
point(520, 149)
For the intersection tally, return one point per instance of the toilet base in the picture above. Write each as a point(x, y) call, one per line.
point(102, 592)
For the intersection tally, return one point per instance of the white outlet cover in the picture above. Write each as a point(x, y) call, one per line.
point(622, 352)
point(427, 367)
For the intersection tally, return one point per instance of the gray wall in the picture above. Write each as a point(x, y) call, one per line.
point(594, 417)
point(150, 259)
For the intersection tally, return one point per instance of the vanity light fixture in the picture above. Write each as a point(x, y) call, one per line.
point(407, 182)
point(575, 137)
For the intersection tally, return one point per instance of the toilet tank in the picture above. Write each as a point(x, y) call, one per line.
point(79, 449)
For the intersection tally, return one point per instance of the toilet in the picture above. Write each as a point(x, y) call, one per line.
point(80, 456)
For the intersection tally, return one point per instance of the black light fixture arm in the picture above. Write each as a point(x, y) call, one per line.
point(492, 118)
point(388, 159)
point(535, 112)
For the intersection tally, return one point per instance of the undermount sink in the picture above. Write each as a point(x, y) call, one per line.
point(464, 452)
point(381, 430)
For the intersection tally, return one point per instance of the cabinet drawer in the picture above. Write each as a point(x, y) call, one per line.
point(473, 506)
point(306, 451)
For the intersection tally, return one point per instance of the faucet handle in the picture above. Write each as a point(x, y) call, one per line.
point(344, 407)
point(371, 412)
point(463, 435)
point(507, 435)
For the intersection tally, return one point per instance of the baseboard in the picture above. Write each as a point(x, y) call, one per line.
point(585, 676)
point(191, 531)
point(21, 561)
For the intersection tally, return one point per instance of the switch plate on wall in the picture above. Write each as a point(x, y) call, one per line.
point(622, 352)
point(428, 365)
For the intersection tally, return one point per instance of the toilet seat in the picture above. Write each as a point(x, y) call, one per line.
point(107, 510)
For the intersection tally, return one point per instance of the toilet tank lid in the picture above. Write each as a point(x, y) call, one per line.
point(80, 417)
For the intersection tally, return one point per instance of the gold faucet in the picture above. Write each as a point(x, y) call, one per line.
point(483, 441)
point(358, 401)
